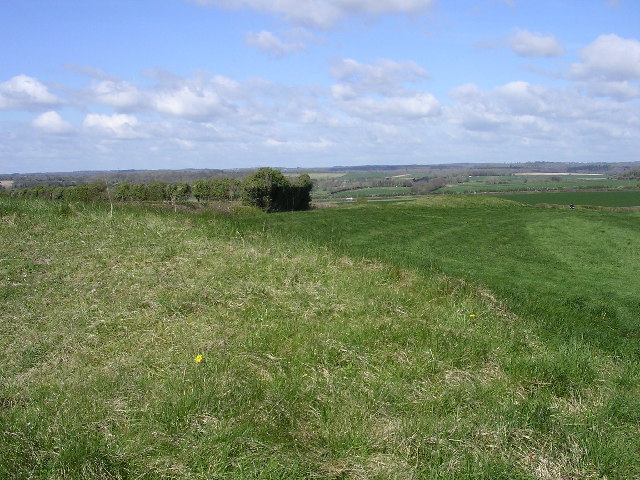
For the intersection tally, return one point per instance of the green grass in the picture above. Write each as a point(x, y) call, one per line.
point(378, 341)
point(527, 254)
point(618, 198)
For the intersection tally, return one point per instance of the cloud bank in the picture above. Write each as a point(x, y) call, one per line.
point(383, 110)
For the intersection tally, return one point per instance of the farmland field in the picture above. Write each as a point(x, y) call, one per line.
point(373, 192)
point(451, 337)
point(376, 174)
point(612, 198)
point(518, 183)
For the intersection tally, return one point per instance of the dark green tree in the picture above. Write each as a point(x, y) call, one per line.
point(270, 190)
point(265, 189)
point(302, 192)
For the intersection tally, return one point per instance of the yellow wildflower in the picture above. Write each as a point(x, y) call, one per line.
point(198, 358)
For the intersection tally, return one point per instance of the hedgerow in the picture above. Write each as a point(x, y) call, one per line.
point(267, 189)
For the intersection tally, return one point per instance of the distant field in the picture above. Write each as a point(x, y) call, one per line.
point(624, 198)
point(381, 174)
point(533, 183)
point(374, 192)
point(324, 175)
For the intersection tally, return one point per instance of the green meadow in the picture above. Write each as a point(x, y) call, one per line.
point(451, 337)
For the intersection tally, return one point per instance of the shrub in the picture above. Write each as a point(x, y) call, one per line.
point(216, 189)
point(271, 191)
point(178, 191)
point(157, 191)
point(122, 191)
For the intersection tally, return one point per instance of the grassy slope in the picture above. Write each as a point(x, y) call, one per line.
point(316, 364)
point(571, 267)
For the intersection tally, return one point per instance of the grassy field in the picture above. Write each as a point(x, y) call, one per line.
point(446, 338)
point(612, 198)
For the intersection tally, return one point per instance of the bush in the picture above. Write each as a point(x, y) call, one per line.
point(157, 191)
point(178, 191)
point(271, 191)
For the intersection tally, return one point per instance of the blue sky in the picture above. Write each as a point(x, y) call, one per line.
point(151, 84)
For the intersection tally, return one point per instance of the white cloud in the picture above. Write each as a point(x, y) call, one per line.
point(25, 93)
point(376, 112)
point(117, 125)
point(407, 107)
point(379, 75)
point(522, 98)
point(116, 93)
point(609, 67)
point(559, 120)
point(319, 144)
point(340, 91)
point(200, 97)
point(533, 44)
point(609, 57)
point(52, 122)
point(325, 13)
point(89, 71)
point(188, 101)
point(377, 89)
point(269, 43)
point(618, 90)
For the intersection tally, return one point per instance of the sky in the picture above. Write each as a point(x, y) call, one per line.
point(174, 84)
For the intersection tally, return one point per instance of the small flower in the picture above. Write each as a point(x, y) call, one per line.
point(198, 358)
point(473, 315)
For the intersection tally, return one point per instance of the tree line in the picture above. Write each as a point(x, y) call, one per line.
point(72, 179)
point(89, 192)
point(267, 189)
